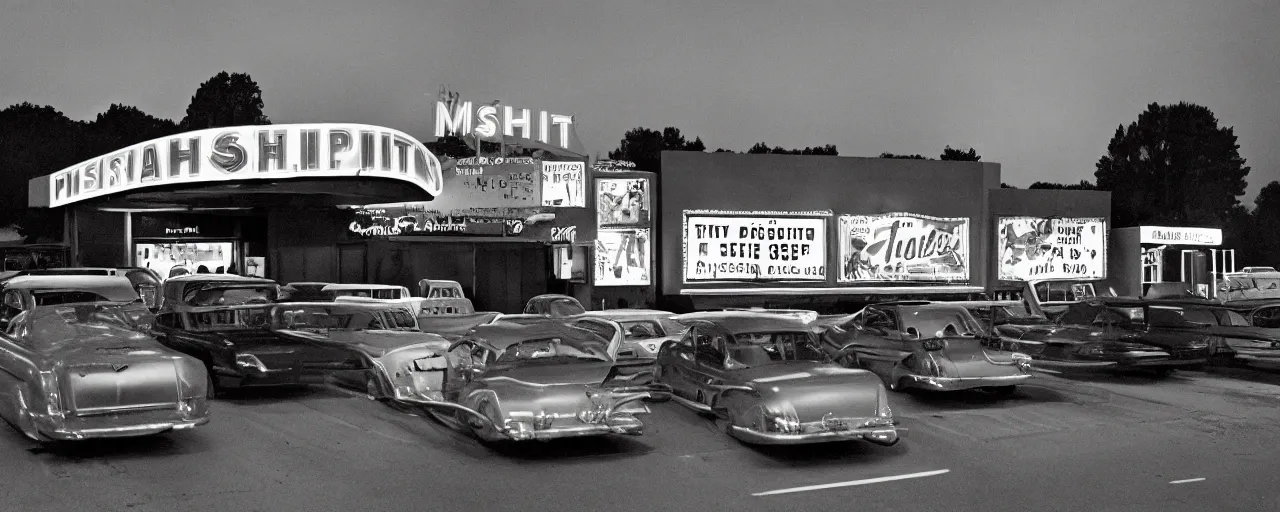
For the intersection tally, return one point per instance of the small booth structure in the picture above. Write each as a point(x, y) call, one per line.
point(1147, 259)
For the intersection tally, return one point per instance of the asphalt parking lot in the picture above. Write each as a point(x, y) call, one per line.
point(1195, 441)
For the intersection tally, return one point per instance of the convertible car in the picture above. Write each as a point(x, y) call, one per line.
point(767, 381)
point(24, 292)
point(644, 331)
point(407, 364)
point(79, 371)
point(926, 345)
point(1106, 333)
point(539, 381)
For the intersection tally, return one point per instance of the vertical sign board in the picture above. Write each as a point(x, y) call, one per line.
point(903, 247)
point(623, 232)
point(1034, 248)
point(755, 246)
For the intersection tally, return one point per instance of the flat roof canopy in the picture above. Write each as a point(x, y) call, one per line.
point(269, 165)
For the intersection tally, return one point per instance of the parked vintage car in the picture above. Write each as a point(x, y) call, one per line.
point(925, 345)
point(305, 292)
point(543, 380)
point(1246, 331)
point(554, 304)
point(407, 364)
point(644, 331)
point(239, 348)
point(71, 371)
point(1106, 333)
point(25, 292)
point(216, 289)
point(440, 289)
point(767, 381)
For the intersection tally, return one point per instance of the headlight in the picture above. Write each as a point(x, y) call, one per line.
point(932, 345)
point(1021, 359)
point(1197, 345)
point(250, 361)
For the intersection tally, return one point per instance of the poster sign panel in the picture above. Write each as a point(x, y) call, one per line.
point(622, 202)
point(903, 247)
point(622, 257)
point(754, 247)
point(1034, 248)
point(564, 184)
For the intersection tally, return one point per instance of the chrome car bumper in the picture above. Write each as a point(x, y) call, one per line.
point(125, 423)
point(959, 383)
point(621, 425)
point(884, 436)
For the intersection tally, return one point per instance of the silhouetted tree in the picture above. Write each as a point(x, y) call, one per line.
point(644, 147)
point(763, 148)
point(122, 126)
point(1083, 185)
point(227, 99)
point(722, 150)
point(903, 157)
point(1006, 185)
point(962, 156)
point(1175, 166)
point(36, 141)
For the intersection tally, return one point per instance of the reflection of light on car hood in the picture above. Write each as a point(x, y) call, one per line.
point(789, 376)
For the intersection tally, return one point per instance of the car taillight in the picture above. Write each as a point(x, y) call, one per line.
point(933, 344)
point(930, 367)
point(53, 400)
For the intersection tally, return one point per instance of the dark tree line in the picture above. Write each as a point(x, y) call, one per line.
point(39, 140)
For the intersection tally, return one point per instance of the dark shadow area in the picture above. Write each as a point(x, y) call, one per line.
point(254, 396)
point(1248, 373)
point(1125, 376)
point(1023, 395)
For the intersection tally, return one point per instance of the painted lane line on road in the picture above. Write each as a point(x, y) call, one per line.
point(1187, 481)
point(852, 483)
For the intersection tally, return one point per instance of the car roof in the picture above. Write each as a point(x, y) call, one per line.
point(63, 281)
point(195, 278)
point(907, 303)
point(350, 286)
point(629, 313)
point(986, 303)
point(747, 321)
point(553, 296)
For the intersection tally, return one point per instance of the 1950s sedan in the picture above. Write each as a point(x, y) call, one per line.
point(1110, 332)
point(926, 345)
point(24, 292)
point(543, 380)
point(240, 349)
point(79, 371)
point(767, 381)
point(407, 364)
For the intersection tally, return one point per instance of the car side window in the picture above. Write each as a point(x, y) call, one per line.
point(1267, 318)
point(12, 305)
point(711, 347)
point(605, 331)
point(686, 341)
point(1231, 318)
point(881, 319)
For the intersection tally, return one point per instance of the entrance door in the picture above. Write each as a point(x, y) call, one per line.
point(1195, 270)
point(351, 263)
point(175, 258)
point(507, 275)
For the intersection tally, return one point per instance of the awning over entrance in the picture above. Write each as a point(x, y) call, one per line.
point(270, 165)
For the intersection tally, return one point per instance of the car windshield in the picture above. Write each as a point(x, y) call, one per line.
point(565, 307)
point(382, 294)
point(1006, 314)
point(644, 329)
point(232, 296)
point(340, 318)
point(89, 315)
point(933, 321)
point(55, 297)
point(758, 348)
point(238, 319)
point(556, 350)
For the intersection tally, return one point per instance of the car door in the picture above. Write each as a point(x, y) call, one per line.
point(676, 363)
point(711, 347)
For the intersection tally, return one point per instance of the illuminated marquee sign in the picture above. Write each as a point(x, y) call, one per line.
point(1180, 236)
point(755, 246)
point(270, 152)
point(1034, 248)
point(489, 121)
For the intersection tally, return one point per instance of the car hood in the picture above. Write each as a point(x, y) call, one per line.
point(814, 389)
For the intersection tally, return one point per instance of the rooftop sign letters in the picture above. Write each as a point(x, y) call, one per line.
point(493, 121)
point(246, 153)
point(1179, 236)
